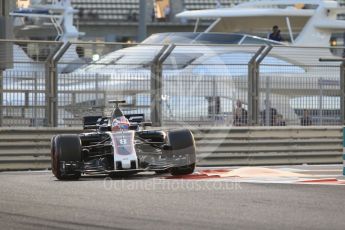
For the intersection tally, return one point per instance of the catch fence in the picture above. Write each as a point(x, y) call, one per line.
point(56, 84)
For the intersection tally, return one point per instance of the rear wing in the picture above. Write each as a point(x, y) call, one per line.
point(94, 122)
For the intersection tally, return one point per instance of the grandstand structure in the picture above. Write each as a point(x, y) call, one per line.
point(117, 20)
point(208, 4)
point(119, 10)
point(123, 10)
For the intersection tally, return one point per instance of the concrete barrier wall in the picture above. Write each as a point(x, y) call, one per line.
point(29, 148)
point(269, 146)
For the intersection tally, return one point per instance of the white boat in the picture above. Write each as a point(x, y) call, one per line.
point(24, 83)
point(307, 24)
point(304, 23)
point(45, 20)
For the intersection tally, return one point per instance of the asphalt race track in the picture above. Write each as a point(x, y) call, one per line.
point(36, 200)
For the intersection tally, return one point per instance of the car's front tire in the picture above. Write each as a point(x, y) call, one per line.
point(182, 144)
point(66, 148)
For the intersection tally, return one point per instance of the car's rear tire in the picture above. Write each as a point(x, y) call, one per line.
point(182, 144)
point(65, 148)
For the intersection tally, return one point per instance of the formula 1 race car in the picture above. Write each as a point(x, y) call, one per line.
point(120, 145)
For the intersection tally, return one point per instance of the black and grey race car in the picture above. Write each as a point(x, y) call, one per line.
point(120, 145)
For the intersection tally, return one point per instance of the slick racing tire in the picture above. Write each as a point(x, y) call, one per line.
point(65, 148)
point(182, 144)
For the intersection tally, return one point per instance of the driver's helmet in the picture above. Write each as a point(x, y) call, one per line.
point(119, 123)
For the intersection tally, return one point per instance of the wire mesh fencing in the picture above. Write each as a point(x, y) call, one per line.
point(108, 73)
point(23, 85)
point(170, 84)
point(302, 91)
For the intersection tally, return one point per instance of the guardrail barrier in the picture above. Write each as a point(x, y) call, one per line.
point(29, 148)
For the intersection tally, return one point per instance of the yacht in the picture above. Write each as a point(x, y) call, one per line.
point(228, 43)
point(24, 83)
point(302, 23)
point(45, 22)
point(307, 29)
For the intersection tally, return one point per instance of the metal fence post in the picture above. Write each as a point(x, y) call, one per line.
point(51, 71)
point(214, 101)
point(342, 93)
point(35, 120)
point(156, 84)
point(342, 86)
point(6, 48)
point(343, 151)
point(254, 84)
point(257, 86)
point(52, 84)
point(320, 101)
point(268, 117)
point(252, 89)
